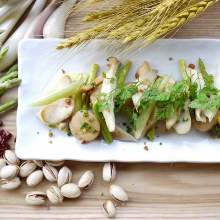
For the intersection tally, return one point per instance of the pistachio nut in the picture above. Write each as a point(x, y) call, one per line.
point(36, 198)
point(64, 176)
point(55, 163)
point(109, 209)
point(39, 163)
point(86, 179)
point(118, 193)
point(54, 195)
point(2, 163)
point(9, 171)
point(26, 168)
point(11, 158)
point(109, 172)
point(34, 178)
point(70, 190)
point(10, 184)
point(50, 173)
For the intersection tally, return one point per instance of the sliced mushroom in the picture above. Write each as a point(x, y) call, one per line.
point(183, 125)
point(145, 72)
point(204, 127)
point(57, 112)
point(200, 117)
point(170, 122)
point(84, 126)
point(122, 135)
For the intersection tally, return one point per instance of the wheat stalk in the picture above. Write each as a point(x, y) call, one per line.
point(149, 24)
point(152, 20)
point(180, 19)
point(123, 12)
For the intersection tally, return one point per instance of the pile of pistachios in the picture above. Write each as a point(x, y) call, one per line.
point(118, 194)
point(13, 170)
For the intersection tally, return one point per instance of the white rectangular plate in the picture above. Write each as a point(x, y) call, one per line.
point(39, 62)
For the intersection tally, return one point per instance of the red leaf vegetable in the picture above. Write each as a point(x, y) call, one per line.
point(5, 136)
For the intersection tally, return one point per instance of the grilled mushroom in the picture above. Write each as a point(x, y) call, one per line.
point(84, 126)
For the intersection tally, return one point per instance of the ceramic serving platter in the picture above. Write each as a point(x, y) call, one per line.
point(39, 62)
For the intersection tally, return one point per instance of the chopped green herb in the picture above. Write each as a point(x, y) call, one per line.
point(86, 127)
point(124, 94)
point(112, 80)
point(104, 74)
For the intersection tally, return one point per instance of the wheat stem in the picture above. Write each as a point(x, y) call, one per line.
point(181, 19)
point(140, 19)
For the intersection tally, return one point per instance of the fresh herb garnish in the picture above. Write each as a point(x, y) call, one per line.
point(122, 95)
point(86, 127)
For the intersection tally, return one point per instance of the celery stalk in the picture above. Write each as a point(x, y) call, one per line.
point(122, 74)
point(78, 102)
point(70, 90)
point(104, 129)
point(143, 118)
point(182, 68)
point(93, 73)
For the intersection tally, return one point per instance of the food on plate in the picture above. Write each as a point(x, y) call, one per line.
point(88, 106)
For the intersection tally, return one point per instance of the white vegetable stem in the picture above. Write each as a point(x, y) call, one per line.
point(145, 75)
point(12, 42)
point(108, 85)
point(55, 25)
point(196, 77)
point(36, 29)
point(5, 11)
point(183, 125)
point(8, 24)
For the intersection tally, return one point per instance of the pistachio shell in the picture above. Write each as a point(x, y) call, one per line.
point(55, 163)
point(2, 163)
point(11, 158)
point(34, 178)
point(36, 198)
point(86, 179)
point(109, 172)
point(50, 173)
point(64, 176)
point(109, 209)
point(118, 193)
point(54, 195)
point(26, 168)
point(39, 163)
point(9, 171)
point(70, 190)
point(10, 184)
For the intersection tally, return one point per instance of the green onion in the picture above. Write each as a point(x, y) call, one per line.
point(8, 106)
